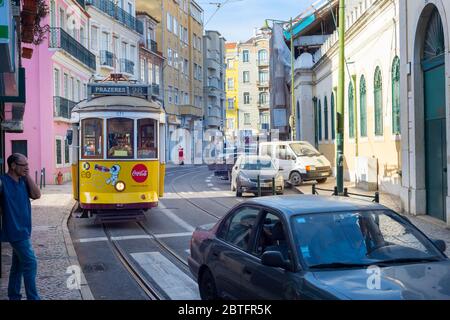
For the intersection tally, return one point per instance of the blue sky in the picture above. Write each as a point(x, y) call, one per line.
point(237, 19)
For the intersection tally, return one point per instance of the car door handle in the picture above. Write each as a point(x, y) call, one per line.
point(215, 254)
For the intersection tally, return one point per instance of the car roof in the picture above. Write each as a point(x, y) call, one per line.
point(307, 204)
point(254, 157)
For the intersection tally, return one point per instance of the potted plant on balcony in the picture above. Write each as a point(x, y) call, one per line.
point(33, 11)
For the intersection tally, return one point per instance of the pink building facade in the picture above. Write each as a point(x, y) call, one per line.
point(56, 79)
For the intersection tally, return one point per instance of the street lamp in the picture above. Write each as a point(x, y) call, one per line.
point(292, 117)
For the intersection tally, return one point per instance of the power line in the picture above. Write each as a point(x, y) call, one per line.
point(219, 6)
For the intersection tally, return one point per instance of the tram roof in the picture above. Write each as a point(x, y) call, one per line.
point(118, 103)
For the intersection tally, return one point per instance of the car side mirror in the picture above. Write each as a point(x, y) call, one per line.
point(69, 137)
point(440, 244)
point(274, 259)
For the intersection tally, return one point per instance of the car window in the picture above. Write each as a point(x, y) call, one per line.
point(241, 225)
point(283, 153)
point(358, 237)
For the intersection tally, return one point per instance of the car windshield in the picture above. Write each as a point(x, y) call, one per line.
point(257, 165)
point(343, 239)
point(304, 150)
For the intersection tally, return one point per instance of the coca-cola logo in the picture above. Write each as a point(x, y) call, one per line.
point(139, 173)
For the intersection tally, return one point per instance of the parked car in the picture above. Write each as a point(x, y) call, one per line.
point(299, 160)
point(244, 176)
point(223, 163)
point(313, 247)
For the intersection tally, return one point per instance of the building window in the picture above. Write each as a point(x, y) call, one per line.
point(396, 96)
point(142, 61)
point(319, 119)
point(230, 82)
point(157, 75)
point(169, 94)
point(245, 56)
point(229, 63)
point(19, 146)
point(66, 152)
point(333, 118)
point(262, 56)
point(94, 38)
point(246, 76)
point(177, 100)
point(378, 94)
point(325, 113)
point(263, 76)
point(230, 104)
point(246, 98)
point(56, 83)
point(58, 152)
point(351, 111)
point(263, 98)
point(247, 119)
point(363, 107)
point(150, 77)
point(169, 56)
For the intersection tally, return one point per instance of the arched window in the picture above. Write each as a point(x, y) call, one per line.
point(351, 111)
point(320, 120)
point(378, 96)
point(262, 56)
point(363, 106)
point(325, 115)
point(396, 96)
point(333, 118)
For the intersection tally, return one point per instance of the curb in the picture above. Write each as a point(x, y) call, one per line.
point(85, 291)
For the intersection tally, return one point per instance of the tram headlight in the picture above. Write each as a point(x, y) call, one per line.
point(120, 186)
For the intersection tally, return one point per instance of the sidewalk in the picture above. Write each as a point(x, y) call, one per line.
point(433, 228)
point(53, 247)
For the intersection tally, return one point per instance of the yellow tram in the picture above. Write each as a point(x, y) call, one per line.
point(118, 143)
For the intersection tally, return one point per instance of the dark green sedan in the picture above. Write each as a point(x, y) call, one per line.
point(313, 247)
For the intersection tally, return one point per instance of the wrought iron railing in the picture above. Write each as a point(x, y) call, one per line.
point(126, 66)
point(106, 58)
point(62, 107)
point(111, 9)
point(62, 40)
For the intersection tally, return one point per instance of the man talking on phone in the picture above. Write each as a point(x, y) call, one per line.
point(16, 189)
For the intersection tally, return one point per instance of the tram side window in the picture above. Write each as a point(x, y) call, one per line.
point(92, 142)
point(120, 138)
point(147, 139)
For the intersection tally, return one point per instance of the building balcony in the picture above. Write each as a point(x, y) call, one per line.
point(106, 58)
point(126, 66)
point(263, 84)
point(263, 63)
point(211, 121)
point(190, 110)
point(62, 108)
point(263, 105)
point(114, 11)
point(60, 39)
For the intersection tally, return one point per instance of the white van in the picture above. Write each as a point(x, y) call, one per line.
point(299, 161)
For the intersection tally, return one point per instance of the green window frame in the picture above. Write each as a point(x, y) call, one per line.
point(319, 111)
point(363, 107)
point(351, 111)
point(325, 114)
point(396, 96)
point(333, 118)
point(378, 97)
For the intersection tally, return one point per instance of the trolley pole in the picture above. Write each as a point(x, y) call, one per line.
point(340, 103)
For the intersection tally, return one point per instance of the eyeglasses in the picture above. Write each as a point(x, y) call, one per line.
point(21, 164)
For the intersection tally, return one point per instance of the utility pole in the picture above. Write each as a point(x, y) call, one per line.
point(340, 102)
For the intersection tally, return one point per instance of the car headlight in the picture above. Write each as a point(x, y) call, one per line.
point(310, 168)
point(120, 186)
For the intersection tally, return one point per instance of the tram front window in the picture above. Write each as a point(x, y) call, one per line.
point(147, 139)
point(92, 133)
point(120, 138)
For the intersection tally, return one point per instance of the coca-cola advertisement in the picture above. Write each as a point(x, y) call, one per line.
point(139, 173)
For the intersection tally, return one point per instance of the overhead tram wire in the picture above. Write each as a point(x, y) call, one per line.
point(219, 6)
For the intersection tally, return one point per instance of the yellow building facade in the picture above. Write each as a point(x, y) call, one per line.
point(232, 88)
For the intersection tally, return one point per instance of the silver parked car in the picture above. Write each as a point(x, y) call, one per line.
point(244, 176)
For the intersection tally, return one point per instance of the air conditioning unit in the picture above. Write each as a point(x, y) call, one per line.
point(366, 171)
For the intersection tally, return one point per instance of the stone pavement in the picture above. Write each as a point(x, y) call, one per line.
point(53, 247)
point(433, 228)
